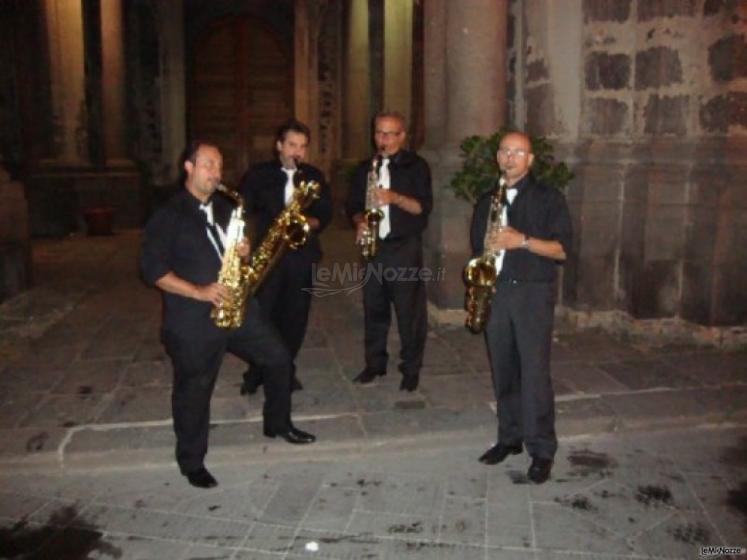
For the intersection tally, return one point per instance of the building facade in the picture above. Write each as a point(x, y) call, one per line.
point(646, 100)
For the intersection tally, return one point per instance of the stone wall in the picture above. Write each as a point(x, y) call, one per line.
point(655, 125)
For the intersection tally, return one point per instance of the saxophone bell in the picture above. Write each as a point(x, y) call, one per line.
point(297, 231)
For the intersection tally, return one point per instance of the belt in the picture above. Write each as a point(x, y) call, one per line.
point(516, 281)
point(399, 239)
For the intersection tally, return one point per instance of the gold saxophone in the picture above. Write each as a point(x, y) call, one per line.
point(373, 214)
point(480, 272)
point(234, 271)
point(290, 230)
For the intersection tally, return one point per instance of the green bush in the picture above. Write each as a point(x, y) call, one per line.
point(480, 171)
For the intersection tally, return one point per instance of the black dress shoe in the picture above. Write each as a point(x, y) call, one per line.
point(539, 470)
point(366, 376)
point(409, 383)
point(201, 478)
point(498, 453)
point(293, 435)
point(252, 381)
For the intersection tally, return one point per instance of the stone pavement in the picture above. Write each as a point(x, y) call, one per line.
point(84, 385)
point(645, 495)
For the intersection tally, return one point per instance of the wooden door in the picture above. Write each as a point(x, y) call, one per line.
point(241, 90)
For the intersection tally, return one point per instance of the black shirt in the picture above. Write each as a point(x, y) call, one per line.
point(537, 211)
point(175, 240)
point(263, 189)
point(409, 175)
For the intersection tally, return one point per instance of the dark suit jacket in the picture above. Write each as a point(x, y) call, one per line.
point(538, 211)
point(263, 189)
point(410, 176)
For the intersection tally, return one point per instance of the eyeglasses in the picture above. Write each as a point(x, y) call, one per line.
point(508, 152)
point(388, 133)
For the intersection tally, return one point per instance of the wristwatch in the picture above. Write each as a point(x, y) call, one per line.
point(525, 242)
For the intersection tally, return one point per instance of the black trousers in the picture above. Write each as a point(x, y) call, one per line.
point(519, 338)
point(196, 362)
point(393, 279)
point(285, 299)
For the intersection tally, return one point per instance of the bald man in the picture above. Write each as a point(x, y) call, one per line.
point(518, 334)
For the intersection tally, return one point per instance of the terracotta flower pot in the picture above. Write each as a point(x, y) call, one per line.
point(99, 220)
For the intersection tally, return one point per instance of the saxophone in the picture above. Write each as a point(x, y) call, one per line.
point(480, 272)
point(373, 214)
point(290, 230)
point(234, 272)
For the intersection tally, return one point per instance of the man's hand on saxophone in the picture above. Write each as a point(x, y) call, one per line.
point(505, 238)
point(361, 228)
point(406, 203)
point(244, 248)
point(215, 293)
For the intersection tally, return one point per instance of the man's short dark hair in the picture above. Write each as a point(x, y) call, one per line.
point(190, 152)
point(292, 125)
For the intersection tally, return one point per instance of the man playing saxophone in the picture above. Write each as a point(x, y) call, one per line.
point(405, 199)
point(518, 334)
point(268, 188)
point(182, 254)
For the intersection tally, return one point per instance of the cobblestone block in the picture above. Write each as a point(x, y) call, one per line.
point(616, 11)
point(722, 111)
point(651, 9)
point(537, 70)
point(657, 67)
point(666, 115)
point(607, 71)
point(605, 116)
point(727, 58)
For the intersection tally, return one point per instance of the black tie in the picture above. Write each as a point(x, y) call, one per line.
point(215, 236)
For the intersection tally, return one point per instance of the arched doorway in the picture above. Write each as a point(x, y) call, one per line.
point(240, 89)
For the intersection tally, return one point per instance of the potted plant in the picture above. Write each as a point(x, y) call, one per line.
point(480, 171)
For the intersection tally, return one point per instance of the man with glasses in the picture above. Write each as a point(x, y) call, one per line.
point(519, 331)
point(406, 200)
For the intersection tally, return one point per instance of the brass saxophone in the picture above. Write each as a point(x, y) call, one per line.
point(290, 230)
point(480, 272)
point(373, 214)
point(234, 271)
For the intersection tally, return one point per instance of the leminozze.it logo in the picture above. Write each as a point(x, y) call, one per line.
point(351, 277)
point(714, 551)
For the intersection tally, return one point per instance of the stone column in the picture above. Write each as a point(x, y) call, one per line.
point(357, 134)
point(398, 15)
point(172, 80)
point(465, 94)
point(476, 67)
point(306, 58)
point(113, 82)
point(67, 81)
